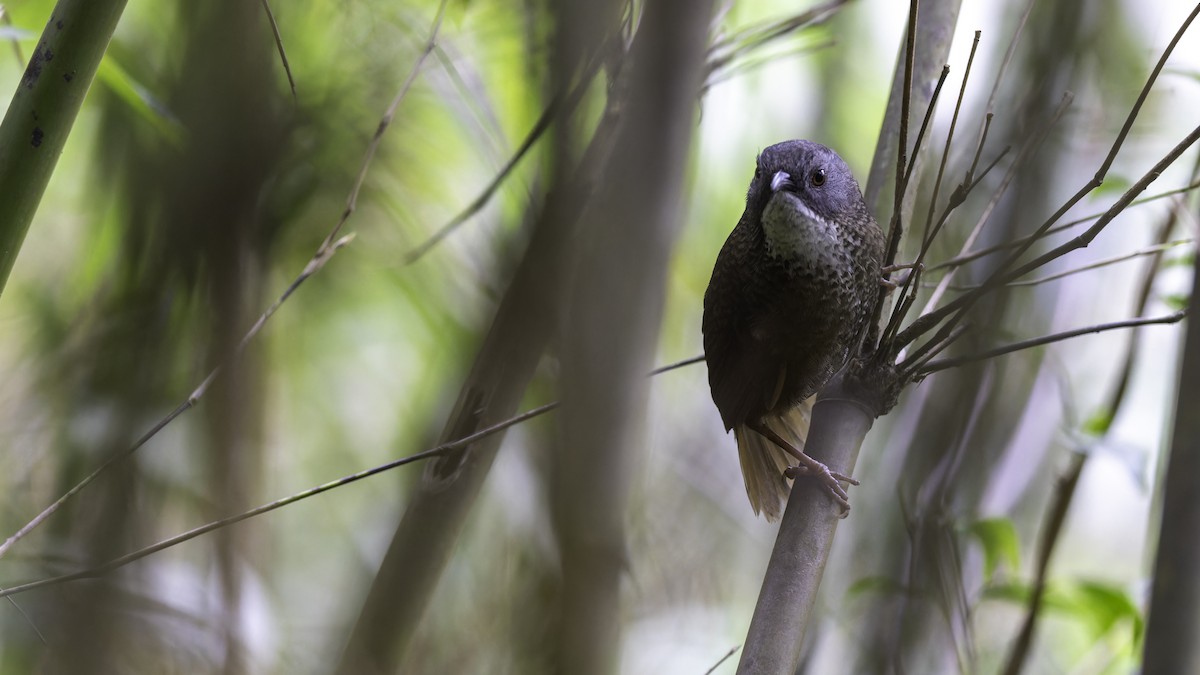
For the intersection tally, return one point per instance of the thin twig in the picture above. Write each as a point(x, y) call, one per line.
point(329, 246)
point(1008, 57)
point(279, 46)
point(386, 121)
point(314, 265)
point(975, 255)
point(925, 353)
point(907, 294)
point(1004, 272)
point(937, 91)
point(943, 364)
point(722, 52)
point(1140, 253)
point(15, 42)
point(928, 236)
point(965, 301)
point(1027, 150)
point(539, 129)
point(115, 563)
point(987, 126)
point(442, 449)
point(896, 229)
point(1064, 494)
point(999, 276)
point(725, 658)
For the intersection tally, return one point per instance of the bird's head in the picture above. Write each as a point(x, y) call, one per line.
point(802, 193)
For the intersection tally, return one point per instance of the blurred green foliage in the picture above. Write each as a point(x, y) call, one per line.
point(193, 190)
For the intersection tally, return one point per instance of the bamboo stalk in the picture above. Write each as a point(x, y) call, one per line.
point(43, 110)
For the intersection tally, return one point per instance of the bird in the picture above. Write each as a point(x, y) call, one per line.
point(791, 294)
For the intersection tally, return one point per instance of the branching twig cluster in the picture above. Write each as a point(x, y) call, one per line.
point(946, 320)
point(908, 349)
point(721, 55)
point(328, 248)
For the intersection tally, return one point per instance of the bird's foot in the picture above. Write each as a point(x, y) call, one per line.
point(891, 284)
point(831, 480)
point(808, 466)
point(888, 269)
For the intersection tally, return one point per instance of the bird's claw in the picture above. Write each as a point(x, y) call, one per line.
point(831, 480)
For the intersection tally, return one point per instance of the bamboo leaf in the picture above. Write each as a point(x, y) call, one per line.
point(1000, 543)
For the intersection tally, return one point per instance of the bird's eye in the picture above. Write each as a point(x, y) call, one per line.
point(818, 177)
point(757, 172)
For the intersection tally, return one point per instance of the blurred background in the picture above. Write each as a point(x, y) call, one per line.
point(194, 188)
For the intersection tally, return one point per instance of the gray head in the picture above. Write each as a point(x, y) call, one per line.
point(816, 175)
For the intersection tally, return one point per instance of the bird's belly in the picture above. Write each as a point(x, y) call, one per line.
point(806, 352)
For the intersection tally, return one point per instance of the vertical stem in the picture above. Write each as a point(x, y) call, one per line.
point(789, 590)
point(1174, 622)
point(44, 108)
point(608, 342)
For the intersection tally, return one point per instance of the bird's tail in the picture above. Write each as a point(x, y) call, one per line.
point(763, 462)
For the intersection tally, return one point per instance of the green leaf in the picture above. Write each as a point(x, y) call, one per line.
point(874, 584)
point(1186, 260)
point(1098, 423)
point(1176, 301)
point(1096, 606)
point(1112, 185)
point(137, 97)
point(999, 539)
point(1016, 592)
point(1102, 605)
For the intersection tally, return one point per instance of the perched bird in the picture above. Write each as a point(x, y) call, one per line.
point(789, 300)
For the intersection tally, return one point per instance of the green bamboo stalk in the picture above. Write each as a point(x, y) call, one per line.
point(44, 108)
point(841, 417)
point(1174, 615)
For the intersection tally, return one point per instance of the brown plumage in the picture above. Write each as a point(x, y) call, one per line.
point(790, 296)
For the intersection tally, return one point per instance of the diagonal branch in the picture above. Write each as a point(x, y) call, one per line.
point(436, 451)
point(908, 292)
point(1003, 273)
point(959, 305)
point(1156, 249)
point(965, 258)
point(556, 107)
point(1056, 513)
point(329, 246)
point(279, 46)
point(943, 364)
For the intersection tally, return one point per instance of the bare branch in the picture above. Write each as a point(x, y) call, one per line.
point(1003, 273)
point(943, 364)
point(999, 278)
point(725, 658)
point(553, 109)
point(912, 365)
point(1000, 72)
point(329, 246)
point(726, 50)
point(116, 563)
point(1065, 492)
point(907, 294)
point(279, 46)
point(965, 258)
point(386, 121)
point(1140, 253)
point(937, 91)
point(435, 451)
point(896, 229)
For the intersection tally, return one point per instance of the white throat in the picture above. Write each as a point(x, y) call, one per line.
point(795, 234)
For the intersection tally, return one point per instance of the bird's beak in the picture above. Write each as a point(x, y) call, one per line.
point(781, 181)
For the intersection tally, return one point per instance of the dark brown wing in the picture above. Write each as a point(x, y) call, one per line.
point(742, 373)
